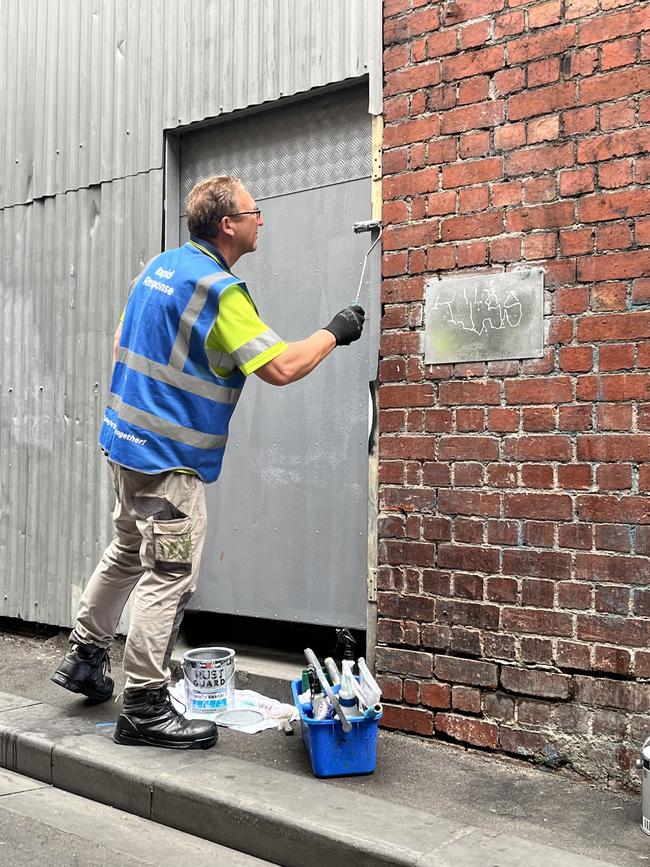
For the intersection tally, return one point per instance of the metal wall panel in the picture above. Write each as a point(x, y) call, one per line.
point(288, 516)
point(91, 84)
point(65, 266)
point(87, 89)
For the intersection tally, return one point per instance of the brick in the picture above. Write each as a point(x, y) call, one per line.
point(509, 80)
point(543, 72)
point(466, 699)
point(468, 447)
point(576, 358)
point(544, 14)
point(615, 447)
point(577, 181)
point(612, 26)
point(613, 660)
point(613, 569)
point(411, 692)
point(537, 621)
point(406, 607)
point(602, 692)
point(472, 172)
point(573, 656)
point(538, 650)
point(614, 266)
point(410, 183)
point(398, 553)
point(540, 683)
point(579, 120)
point(574, 241)
point(472, 731)
point(546, 44)
point(537, 564)
point(618, 115)
point(570, 594)
point(404, 661)
point(473, 90)
point(551, 390)
point(391, 396)
point(522, 743)
point(612, 600)
point(614, 417)
point(612, 537)
point(502, 589)
point(471, 614)
point(613, 85)
point(614, 477)
point(410, 131)
point(542, 100)
point(472, 254)
point(502, 420)
point(574, 299)
point(624, 326)
point(499, 707)
point(580, 8)
point(412, 78)
point(613, 145)
point(534, 159)
point(532, 505)
point(538, 418)
point(407, 719)
point(468, 503)
point(537, 594)
point(575, 418)
point(439, 44)
point(473, 144)
point(466, 641)
point(467, 671)
point(615, 174)
point(457, 392)
point(470, 63)
point(528, 448)
point(406, 447)
point(574, 477)
point(436, 695)
point(616, 356)
point(540, 217)
point(541, 245)
point(613, 206)
point(468, 557)
point(510, 136)
point(472, 117)
point(477, 226)
point(614, 630)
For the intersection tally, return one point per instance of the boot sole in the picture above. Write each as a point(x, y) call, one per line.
point(200, 744)
point(74, 686)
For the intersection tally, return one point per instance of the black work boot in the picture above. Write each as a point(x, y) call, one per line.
point(84, 670)
point(149, 718)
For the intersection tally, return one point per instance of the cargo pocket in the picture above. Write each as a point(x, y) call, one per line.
point(172, 545)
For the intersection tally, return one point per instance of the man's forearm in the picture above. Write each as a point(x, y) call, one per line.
point(298, 359)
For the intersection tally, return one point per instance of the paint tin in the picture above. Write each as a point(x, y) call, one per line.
point(209, 674)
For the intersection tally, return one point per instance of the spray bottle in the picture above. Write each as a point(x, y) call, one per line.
point(347, 695)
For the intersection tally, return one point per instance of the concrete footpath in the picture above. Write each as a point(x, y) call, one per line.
point(428, 803)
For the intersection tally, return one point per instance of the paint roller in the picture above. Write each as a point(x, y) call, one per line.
point(367, 226)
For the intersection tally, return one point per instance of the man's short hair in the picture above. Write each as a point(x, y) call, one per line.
point(209, 201)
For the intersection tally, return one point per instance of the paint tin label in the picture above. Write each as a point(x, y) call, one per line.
point(209, 679)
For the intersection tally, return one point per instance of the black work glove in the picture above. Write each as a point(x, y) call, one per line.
point(347, 325)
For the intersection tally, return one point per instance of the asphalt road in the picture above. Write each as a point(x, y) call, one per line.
point(41, 825)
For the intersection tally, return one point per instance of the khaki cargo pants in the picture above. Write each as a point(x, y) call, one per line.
point(160, 523)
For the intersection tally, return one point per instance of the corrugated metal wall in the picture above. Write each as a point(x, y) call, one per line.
point(88, 88)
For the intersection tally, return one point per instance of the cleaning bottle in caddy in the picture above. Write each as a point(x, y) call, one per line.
point(347, 694)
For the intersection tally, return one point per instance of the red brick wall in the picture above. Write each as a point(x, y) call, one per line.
point(514, 577)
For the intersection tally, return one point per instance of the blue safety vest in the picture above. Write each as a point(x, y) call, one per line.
point(167, 409)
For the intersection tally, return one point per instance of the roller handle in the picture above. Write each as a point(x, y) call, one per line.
point(311, 657)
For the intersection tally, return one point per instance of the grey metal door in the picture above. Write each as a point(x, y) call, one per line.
point(288, 517)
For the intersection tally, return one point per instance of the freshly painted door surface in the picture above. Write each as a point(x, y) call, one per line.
point(288, 517)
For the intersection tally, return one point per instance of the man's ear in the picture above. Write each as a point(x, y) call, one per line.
point(226, 226)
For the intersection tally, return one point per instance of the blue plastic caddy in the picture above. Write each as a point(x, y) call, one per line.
point(332, 752)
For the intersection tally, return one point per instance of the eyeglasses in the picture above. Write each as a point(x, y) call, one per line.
point(256, 213)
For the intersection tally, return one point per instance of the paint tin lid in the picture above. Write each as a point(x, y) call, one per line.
point(645, 752)
point(239, 717)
